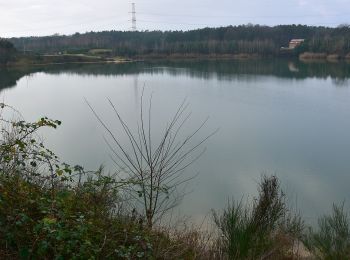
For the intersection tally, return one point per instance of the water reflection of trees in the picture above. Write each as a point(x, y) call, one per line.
point(222, 70)
point(9, 78)
point(340, 82)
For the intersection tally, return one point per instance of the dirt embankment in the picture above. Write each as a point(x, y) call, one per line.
point(317, 56)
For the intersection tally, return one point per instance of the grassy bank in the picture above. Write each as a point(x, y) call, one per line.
point(30, 60)
point(42, 60)
point(191, 56)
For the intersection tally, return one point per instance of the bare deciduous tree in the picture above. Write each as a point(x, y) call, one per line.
point(155, 167)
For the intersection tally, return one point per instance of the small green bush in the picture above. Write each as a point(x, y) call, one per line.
point(264, 229)
point(331, 240)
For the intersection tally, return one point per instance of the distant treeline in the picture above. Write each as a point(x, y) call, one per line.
point(250, 39)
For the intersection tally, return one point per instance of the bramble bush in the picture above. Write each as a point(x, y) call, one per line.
point(51, 210)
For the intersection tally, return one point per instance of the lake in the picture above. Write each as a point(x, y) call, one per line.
point(278, 117)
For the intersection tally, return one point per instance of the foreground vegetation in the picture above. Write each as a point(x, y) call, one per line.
point(265, 229)
point(51, 210)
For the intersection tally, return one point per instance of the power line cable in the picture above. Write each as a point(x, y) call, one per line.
point(240, 16)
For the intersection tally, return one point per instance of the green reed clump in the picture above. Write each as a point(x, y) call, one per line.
point(331, 240)
point(264, 229)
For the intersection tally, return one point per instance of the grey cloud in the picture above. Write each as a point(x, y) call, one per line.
point(45, 17)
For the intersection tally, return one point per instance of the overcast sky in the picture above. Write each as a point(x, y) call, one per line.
point(46, 17)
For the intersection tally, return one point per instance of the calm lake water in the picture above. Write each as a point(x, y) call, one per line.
point(281, 117)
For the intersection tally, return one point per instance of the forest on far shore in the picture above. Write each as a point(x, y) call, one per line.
point(248, 39)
